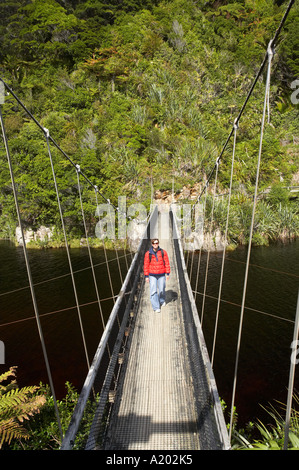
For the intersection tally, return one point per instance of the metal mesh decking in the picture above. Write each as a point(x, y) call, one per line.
point(155, 407)
point(164, 400)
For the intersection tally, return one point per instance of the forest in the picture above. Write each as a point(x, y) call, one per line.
point(142, 95)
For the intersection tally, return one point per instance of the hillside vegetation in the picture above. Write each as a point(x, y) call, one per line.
point(142, 93)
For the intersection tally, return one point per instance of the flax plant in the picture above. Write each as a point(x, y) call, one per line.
point(272, 435)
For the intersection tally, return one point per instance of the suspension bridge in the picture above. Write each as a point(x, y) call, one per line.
point(151, 381)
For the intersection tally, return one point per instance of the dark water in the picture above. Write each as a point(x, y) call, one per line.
point(57, 310)
point(265, 349)
point(267, 333)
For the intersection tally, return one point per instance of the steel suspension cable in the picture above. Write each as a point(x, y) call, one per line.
point(50, 138)
point(46, 133)
point(270, 56)
point(291, 378)
point(118, 264)
point(265, 268)
point(32, 290)
point(61, 276)
point(106, 259)
point(192, 264)
point(108, 268)
point(255, 310)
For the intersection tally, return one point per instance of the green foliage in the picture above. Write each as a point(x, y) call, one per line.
point(276, 217)
point(291, 43)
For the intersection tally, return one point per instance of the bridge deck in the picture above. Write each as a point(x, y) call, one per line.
point(155, 409)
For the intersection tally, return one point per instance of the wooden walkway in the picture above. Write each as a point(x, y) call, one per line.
point(155, 408)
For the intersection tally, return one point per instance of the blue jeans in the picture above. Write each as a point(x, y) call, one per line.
point(157, 290)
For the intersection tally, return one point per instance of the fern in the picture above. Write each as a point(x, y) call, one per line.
point(16, 405)
point(9, 430)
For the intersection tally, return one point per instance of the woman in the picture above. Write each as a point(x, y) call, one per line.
point(156, 271)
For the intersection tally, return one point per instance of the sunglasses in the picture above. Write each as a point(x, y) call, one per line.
point(155, 243)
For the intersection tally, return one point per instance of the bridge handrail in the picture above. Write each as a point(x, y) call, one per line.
point(218, 413)
point(70, 435)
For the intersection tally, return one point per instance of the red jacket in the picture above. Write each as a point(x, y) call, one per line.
point(158, 264)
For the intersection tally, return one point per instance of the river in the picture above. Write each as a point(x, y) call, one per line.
point(266, 335)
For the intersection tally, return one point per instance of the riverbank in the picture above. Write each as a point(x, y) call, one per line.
point(51, 238)
point(205, 241)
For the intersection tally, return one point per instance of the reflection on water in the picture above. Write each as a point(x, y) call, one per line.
point(266, 337)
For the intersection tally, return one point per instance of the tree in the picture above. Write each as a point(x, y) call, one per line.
point(153, 90)
point(44, 429)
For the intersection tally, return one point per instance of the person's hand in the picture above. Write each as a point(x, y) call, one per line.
point(146, 279)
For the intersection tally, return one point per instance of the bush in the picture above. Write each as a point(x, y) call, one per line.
point(44, 429)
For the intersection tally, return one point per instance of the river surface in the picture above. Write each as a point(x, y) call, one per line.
point(267, 331)
point(268, 324)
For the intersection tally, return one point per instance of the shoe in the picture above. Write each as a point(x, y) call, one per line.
point(164, 304)
point(157, 311)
